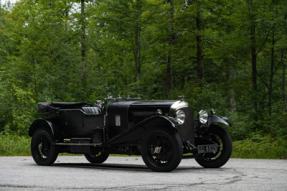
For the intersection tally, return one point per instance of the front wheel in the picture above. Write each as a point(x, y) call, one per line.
point(99, 158)
point(43, 150)
point(161, 149)
point(221, 137)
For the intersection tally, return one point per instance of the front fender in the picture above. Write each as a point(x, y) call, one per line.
point(160, 121)
point(136, 132)
point(215, 119)
point(45, 123)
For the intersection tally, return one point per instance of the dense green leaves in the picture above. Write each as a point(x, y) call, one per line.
point(222, 54)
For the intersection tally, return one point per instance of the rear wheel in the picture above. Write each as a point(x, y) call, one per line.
point(221, 137)
point(43, 150)
point(161, 149)
point(98, 158)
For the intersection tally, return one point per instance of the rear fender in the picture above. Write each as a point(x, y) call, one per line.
point(136, 132)
point(47, 124)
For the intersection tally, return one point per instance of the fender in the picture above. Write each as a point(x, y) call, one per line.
point(215, 119)
point(45, 123)
point(136, 132)
point(159, 121)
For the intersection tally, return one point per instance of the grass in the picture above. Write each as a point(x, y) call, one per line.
point(260, 147)
point(13, 145)
point(257, 147)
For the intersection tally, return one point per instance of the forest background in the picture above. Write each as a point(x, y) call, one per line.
point(229, 55)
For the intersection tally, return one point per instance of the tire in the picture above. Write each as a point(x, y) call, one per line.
point(43, 150)
point(218, 159)
point(100, 158)
point(168, 146)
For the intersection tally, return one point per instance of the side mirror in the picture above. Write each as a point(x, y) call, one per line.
point(212, 112)
point(99, 103)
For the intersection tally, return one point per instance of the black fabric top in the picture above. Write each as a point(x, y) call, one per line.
point(44, 106)
point(70, 104)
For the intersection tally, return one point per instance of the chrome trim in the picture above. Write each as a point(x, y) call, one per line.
point(105, 120)
point(118, 120)
point(176, 106)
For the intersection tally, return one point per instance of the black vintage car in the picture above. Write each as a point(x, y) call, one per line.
point(162, 132)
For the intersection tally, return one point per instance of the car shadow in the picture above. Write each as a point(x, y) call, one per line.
point(132, 167)
point(107, 166)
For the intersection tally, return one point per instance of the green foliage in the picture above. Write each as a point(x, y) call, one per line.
point(14, 145)
point(41, 60)
point(257, 146)
point(261, 147)
point(21, 111)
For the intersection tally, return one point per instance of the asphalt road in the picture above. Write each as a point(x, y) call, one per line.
point(130, 173)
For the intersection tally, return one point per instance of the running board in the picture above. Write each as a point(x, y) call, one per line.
point(80, 144)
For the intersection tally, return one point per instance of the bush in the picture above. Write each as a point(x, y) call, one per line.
point(260, 147)
point(14, 145)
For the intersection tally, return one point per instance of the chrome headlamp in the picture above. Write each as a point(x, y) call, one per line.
point(180, 117)
point(202, 116)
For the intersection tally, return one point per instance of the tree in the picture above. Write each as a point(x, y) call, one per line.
point(169, 57)
point(83, 44)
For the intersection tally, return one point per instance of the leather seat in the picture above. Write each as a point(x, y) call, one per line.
point(91, 110)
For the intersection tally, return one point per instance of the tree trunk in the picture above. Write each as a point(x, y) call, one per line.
point(169, 57)
point(271, 76)
point(137, 44)
point(253, 61)
point(83, 44)
point(283, 79)
point(67, 15)
point(231, 98)
point(137, 58)
point(198, 46)
point(34, 75)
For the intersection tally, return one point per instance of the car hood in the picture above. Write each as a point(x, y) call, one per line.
point(168, 107)
point(151, 104)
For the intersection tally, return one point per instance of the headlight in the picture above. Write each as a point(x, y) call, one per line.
point(180, 117)
point(202, 116)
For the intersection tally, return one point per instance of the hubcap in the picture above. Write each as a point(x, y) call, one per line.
point(213, 156)
point(157, 150)
point(42, 147)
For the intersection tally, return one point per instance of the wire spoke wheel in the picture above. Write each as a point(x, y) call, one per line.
point(43, 150)
point(219, 136)
point(213, 156)
point(97, 158)
point(161, 149)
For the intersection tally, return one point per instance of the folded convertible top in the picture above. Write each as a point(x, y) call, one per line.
point(44, 107)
